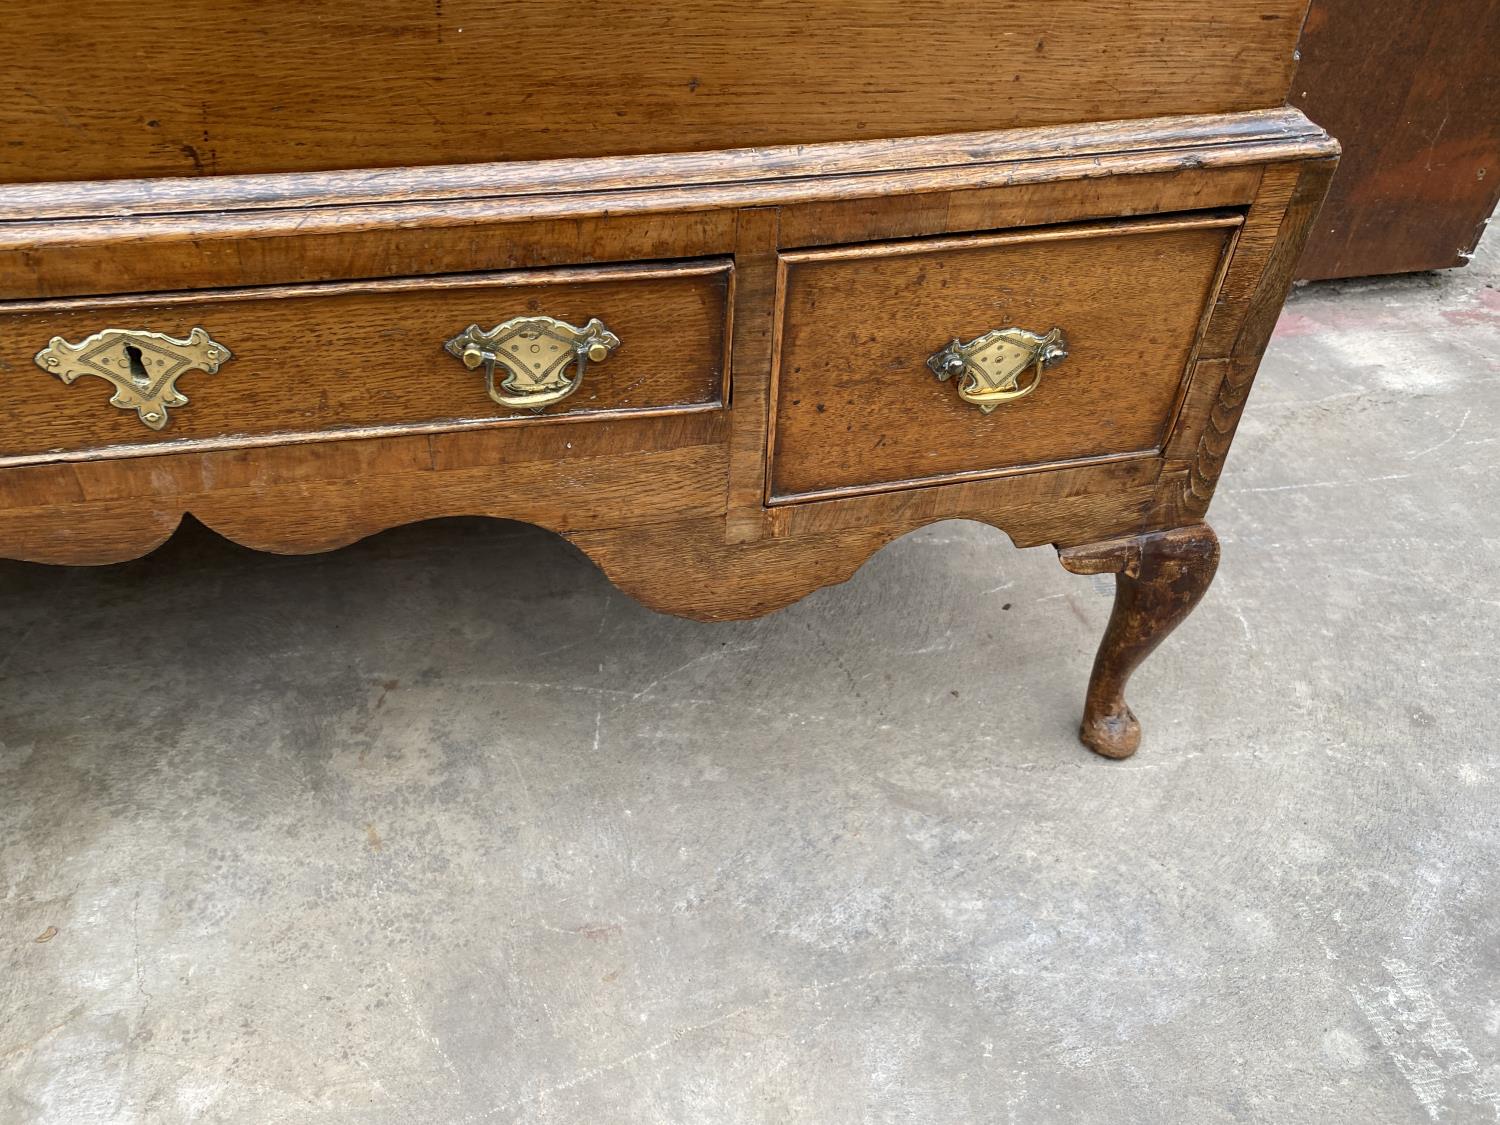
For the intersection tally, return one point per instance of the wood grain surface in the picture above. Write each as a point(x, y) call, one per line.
point(857, 406)
point(1214, 139)
point(319, 361)
point(1302, 187)
point(136, 88)
point(671, 506)
point(1413, 91)
point(94, 238)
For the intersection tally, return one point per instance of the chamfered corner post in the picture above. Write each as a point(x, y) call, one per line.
point(1159, 578)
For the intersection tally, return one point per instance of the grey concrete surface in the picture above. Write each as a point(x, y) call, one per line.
point(372, 837)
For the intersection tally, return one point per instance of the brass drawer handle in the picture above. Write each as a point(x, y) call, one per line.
point(143, 366)
point(992, 364)
point(535, 353)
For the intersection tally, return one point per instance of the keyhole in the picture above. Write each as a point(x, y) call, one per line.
point(137, 368)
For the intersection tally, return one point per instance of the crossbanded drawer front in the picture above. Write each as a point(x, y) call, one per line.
point(910, 363)
point(297, 363)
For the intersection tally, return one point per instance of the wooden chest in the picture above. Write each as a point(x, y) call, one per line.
point(729, 295)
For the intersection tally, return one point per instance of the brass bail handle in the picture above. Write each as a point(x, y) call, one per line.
point(543, 360)
point(989, 368)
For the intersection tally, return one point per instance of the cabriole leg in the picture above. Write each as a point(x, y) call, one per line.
point(1159, 578)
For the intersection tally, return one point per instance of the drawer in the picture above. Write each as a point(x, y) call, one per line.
point(360, 358)
point(858, 408)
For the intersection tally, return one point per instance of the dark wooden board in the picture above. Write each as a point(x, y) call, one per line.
point(1412, 91)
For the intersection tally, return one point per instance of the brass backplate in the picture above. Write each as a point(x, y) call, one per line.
point(143, 366)
point(992, 365)
point(544, 359)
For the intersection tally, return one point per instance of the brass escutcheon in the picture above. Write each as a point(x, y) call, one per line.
point(535, 352)
point(992, 364)
point(142, 365)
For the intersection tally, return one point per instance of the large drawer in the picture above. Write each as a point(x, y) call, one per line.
point(352, 358)
point(858, 408)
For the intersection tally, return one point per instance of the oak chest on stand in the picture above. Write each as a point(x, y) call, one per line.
point(729, 295)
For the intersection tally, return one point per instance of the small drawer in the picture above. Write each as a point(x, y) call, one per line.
point(860, 406)
point(297, 363)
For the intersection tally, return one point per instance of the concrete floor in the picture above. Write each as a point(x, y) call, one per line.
point(371, 838)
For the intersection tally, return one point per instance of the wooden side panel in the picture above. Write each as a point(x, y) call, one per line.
point(315, 361)
point(1413, 92)
point(1187, 488)
point(1242, 280)
point(120, 88)
point(857, 407)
